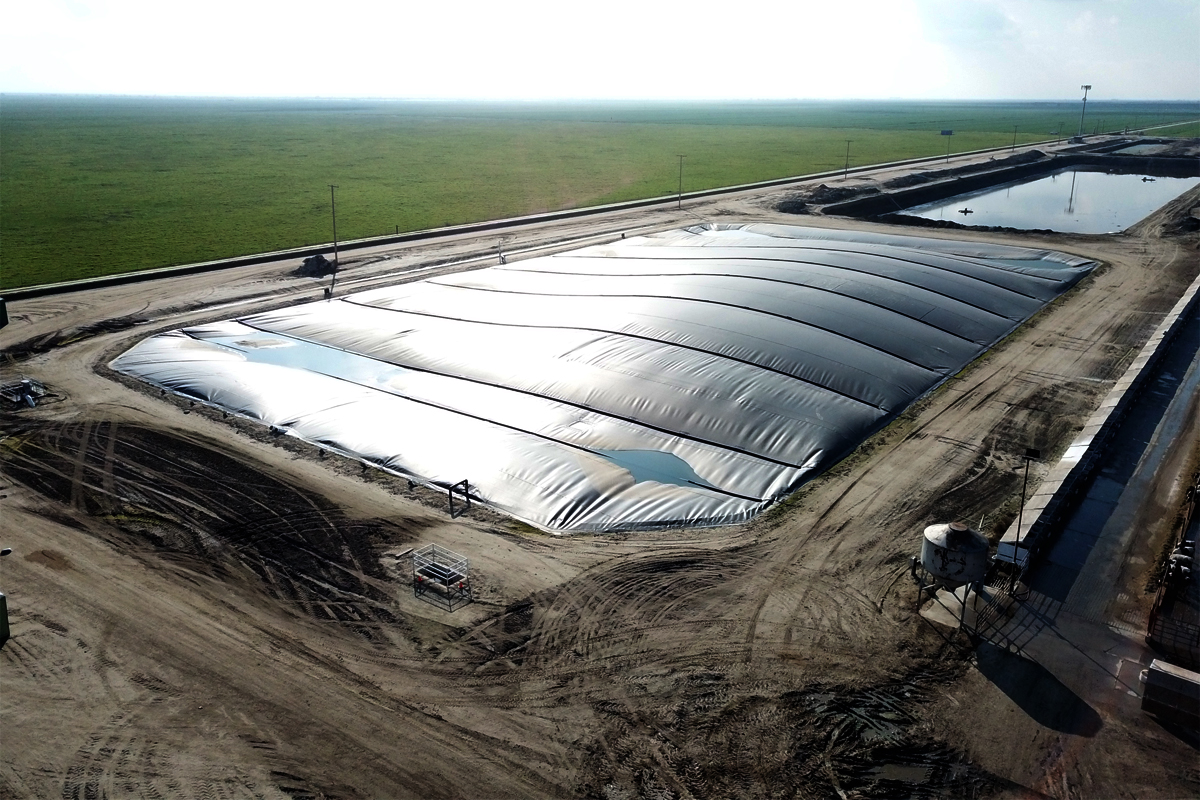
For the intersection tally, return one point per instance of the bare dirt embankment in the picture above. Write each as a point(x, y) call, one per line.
point(200, 609)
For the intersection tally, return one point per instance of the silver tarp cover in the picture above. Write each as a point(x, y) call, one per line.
point(684, 378)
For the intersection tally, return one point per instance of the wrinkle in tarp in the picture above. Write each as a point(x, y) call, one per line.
point(690, 377)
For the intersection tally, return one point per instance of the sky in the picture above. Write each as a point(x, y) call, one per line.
point(614, 49)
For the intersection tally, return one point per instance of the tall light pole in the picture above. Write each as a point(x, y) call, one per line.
point(333, 209)
point(680, 196)
point(1085, 88)
point(846, 168)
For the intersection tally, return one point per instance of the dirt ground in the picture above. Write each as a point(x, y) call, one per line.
point(200, 609)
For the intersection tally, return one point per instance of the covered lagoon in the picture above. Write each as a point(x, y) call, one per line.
point(687, 377)
point(1072, 201)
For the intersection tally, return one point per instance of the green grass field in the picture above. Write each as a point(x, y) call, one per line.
point(95, 186)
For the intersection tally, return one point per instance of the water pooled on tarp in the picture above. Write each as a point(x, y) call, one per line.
point(655, 465)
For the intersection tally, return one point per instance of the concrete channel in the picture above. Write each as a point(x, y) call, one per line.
point(1075, 527)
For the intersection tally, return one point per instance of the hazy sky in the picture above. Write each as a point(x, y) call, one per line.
point(529, 49)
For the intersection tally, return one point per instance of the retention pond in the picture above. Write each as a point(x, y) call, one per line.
point(1086, 200)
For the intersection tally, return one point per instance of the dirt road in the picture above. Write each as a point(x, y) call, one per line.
point(200, 609)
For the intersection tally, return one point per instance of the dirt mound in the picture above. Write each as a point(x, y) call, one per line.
point(921, 222)
point(317, 266)
point(917, 179)
point(60, 338)
point(800, 202)
point(793, 205)
point(835, 194)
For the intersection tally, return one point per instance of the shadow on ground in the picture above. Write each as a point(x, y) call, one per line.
point(1037, 692)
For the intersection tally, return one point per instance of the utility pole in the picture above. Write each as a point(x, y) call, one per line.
point(333, 209)
point(1085, 88)
point(1014, 147)
point(680, 196)
point(846, 168)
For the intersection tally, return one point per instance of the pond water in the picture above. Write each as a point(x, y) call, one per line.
point(1073, 201)
point(1140, 150)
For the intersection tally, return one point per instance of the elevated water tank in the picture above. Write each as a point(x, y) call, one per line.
point(954, 554)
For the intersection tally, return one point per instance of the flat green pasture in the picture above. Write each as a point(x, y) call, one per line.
point(95, 186)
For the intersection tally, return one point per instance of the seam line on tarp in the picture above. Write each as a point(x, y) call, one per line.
point(979, 261)
point(885, 278)
point(527, 392)
point(835, 292)
point(751, 309)
point(641, 337)
point(920, 263)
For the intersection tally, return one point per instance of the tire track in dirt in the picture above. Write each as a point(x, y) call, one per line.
point(183, 495)
point(108, 482)
point(76, 500)
point(634, 595)
point(783, 554)
point(858, 502)
point(117, 760)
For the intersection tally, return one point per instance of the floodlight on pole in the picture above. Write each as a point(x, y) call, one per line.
point(846, 168)
point(1085, 88)
point(333, 210)
point(680, 195)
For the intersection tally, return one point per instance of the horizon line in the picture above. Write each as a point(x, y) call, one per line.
point(379, 98)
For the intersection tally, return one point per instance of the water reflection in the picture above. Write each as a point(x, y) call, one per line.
point(1091, 202)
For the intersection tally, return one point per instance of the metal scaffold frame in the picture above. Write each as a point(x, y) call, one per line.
point(441, 576)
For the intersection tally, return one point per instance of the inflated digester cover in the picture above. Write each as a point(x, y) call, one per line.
point(683, 378)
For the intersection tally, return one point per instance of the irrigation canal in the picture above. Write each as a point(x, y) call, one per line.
point(1081, 567)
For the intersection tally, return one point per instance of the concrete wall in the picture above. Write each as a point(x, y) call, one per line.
point(1066, 479)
